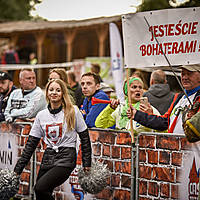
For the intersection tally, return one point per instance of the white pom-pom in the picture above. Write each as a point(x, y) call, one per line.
point(9, 184)
point(94, 181)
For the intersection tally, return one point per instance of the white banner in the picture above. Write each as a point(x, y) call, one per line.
point(189, 177)
point(8, 151)
point(116, 60)
point(177, 31)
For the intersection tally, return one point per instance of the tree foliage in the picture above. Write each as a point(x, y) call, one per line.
point(149, 5)
point(11, 10)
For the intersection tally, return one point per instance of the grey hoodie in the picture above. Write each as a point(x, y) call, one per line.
point(160, 97)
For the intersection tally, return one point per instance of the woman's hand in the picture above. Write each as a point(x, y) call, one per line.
point(146, 108)
point(114, 103)
point(131, 112)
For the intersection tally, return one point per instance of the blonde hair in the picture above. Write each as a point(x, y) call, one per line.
point(61, 72)
point(68, 107)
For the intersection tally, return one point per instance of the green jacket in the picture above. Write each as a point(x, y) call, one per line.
point(110, 117)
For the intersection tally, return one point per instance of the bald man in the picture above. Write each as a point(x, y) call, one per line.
point(159, 94)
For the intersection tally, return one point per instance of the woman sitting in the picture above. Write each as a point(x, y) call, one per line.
point(115, 113)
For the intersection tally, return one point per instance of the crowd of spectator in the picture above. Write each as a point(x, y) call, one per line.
point(68, 110)
point(156, 113)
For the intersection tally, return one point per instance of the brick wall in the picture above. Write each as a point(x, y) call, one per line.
point(159, 162)
point(111, 147)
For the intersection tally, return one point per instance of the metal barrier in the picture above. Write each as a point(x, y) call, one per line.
point(154, 167)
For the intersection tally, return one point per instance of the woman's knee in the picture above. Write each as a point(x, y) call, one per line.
point(42, 194)
point(41, 190)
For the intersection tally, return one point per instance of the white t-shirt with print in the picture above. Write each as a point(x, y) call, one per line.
point(53, 128)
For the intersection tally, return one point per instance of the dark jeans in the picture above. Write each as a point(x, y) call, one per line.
point(47, 180)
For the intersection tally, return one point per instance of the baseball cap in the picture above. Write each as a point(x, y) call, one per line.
point(105, 87)
point(192, 68)
point(5, 76)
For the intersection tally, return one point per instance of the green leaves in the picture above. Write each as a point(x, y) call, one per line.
point(12, 10)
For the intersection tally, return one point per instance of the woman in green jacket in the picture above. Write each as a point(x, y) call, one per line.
point(115, 112)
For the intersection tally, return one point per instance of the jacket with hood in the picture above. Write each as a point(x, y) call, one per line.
point(160, 97)
point(92, 111)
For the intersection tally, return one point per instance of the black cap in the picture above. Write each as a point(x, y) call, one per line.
point(5, 76)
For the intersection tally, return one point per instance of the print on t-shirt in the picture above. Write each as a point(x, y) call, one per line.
point(54, 132)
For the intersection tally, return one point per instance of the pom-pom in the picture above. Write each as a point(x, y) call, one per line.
point(9, 184)
point(94, 181)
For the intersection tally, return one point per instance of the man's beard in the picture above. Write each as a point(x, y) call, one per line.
point(5, 92)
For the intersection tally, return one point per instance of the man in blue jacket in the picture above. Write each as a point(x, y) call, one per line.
point(90, 84)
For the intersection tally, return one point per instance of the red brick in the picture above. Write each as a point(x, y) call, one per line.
point(26, 130)
point(165, 174)
point(25, 177)
point(178, 175)
point(4, 127)
point(115, 180)
point(25, 189)
point(18, 130)
point(126, 153)
point(115, 152)
point(185, 145)
point(152, 156)
point(109, 164)
point(94, 136)
point(126, 181)
point(106, 150)
point(177, 158)
point(126, 167)
point(167, 142)
point(20, 189)
point(147, 141)
point(145, 198)
point(122, 194)
point(142, 187)
point(164, 190)
point(142, 155)
point(174, 191)
point(107, 137)
point(123, 139)
point(105, 194)
point(39, 156)
point(118, 166)
point(25, 140)
point(164, 157)
point(145, 172)
point(22, 141)
point(153, 189)
point(123, 167)
point(37, 168)
point(96, 149)
point(19, 152)
point(153, 173)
